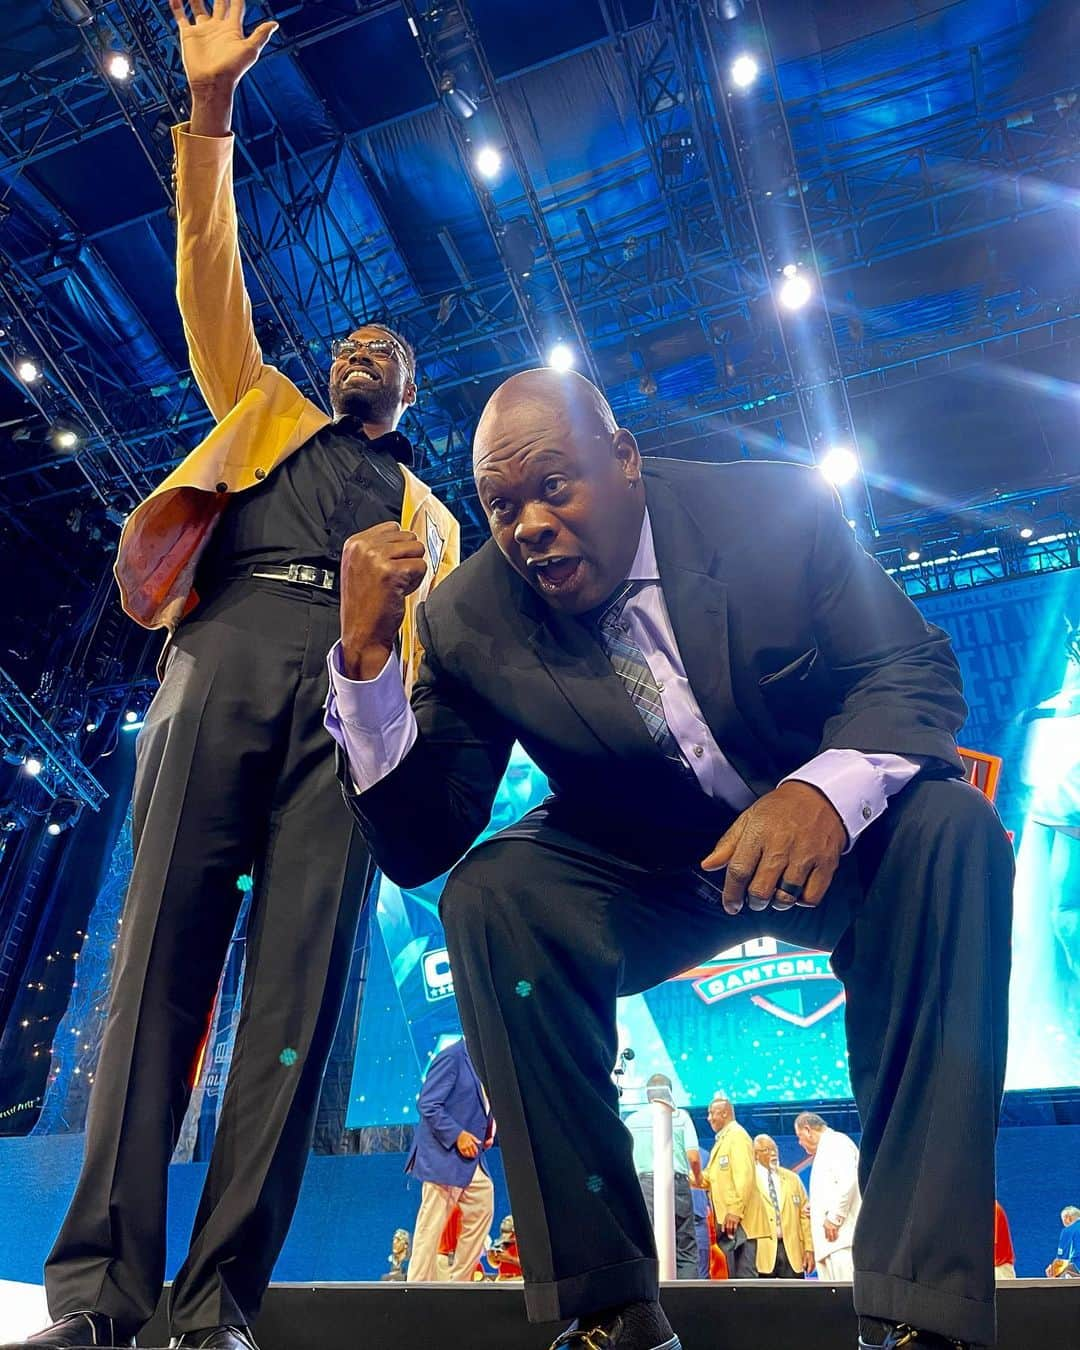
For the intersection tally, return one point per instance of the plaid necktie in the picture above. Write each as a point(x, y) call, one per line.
point(628, 662)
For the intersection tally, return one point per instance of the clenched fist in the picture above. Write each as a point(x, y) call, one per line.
point(380, 568)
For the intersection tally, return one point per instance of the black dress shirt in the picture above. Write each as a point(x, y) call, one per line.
point(337, 483)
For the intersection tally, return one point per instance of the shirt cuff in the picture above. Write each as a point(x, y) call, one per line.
point(370, 719)
point(858, 785)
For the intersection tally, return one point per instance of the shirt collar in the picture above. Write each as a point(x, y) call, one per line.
point(644, 567)
point(393, 443)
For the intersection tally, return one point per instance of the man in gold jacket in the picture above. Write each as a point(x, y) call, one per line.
point(738, 1206)
point(787, 1253)
point(237, 555)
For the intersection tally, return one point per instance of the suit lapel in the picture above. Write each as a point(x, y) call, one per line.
point(691, 572)
point(583, 674)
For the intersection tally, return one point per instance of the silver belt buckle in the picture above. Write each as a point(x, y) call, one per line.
point(308, 575)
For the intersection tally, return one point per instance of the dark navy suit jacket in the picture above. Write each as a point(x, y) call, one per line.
point(451, 1100)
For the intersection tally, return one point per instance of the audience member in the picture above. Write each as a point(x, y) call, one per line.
point(1004, 1255)
point(787, 1253)
point(835, 1199)
point(738, 1206)
point(455, 1129)
point(687, 1164)
point(1066, 1264)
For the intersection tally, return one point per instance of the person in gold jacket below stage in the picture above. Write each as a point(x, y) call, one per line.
point(739, 1208)
point(788, 1251)
point(237, 555)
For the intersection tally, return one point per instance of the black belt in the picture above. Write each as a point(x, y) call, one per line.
point(298, 574)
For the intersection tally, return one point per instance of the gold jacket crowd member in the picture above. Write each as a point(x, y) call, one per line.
point(237, 554)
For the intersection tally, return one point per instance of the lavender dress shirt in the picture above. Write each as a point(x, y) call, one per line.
point(372, 721)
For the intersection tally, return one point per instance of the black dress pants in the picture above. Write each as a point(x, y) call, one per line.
point(740, 1252)
point(235, 771)
point(545, 931)
point(686, 1248)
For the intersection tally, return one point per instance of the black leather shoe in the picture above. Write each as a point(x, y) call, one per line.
point(216, 1338)
point(638, 1326)
point(79, 1329)
point(903, 1337)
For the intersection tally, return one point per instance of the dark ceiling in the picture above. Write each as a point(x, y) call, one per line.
point(921, 156)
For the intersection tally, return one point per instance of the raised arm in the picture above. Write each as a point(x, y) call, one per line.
point(214, 305)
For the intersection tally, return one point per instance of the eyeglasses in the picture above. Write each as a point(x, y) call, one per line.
point(384, 346)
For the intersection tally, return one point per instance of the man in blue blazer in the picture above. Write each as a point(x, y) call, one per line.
point(456, 1127)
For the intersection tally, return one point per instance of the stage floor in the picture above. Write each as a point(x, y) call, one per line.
point(733, 1315)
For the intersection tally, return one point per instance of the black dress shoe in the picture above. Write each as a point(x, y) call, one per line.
point(216, 1338)
point(637, 1326)
point(903, 1337)
point(79, 1329)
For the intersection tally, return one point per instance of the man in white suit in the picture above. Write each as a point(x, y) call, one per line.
point(835, 1200)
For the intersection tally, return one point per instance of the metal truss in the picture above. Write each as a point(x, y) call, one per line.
point(25, 731)
point(707, 250)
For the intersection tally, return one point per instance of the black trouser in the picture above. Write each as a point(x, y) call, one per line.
point(686, 1251)
point(546, 931)
point(235, 771)
point(740, 1252)
point(783, 1270)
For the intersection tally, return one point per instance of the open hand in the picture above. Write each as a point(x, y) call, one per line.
point(782, 851)
point(380, 568)
point(215, 52)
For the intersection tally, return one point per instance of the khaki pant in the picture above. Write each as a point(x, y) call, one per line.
point(837, 1267)
point(477, 1204)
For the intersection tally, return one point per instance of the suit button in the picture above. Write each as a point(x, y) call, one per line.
point(223, 487)
point(260, 473)
point(867, 810)
point(659, 686)
point(699, 750)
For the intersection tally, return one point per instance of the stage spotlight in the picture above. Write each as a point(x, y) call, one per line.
point(488, 161)
point(744, 71)
point(76, 12)
point(1026, 532)
point(839, 466)
point(131, 716)
point(28, 371)
point(32, 766)
point(91, 727)
point(119, 67)
point(647, 384)
point(561, 357)
point(63, 436)
point(795, 290)
point(914, 554)
point(16, 750)
point(63, 814)
point(459, 103)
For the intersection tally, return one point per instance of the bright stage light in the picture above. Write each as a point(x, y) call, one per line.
point(91, 727)
point(744, 71)
point(1026, 532)
point(131, 716)
point(839, 466)
point(913, 555)
point(66, 440)
point(27, 371)
point(33, 766)
point(560, 357)
point(795, 290)
point(488, 161)
point(119, 67)
point(53, 828)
